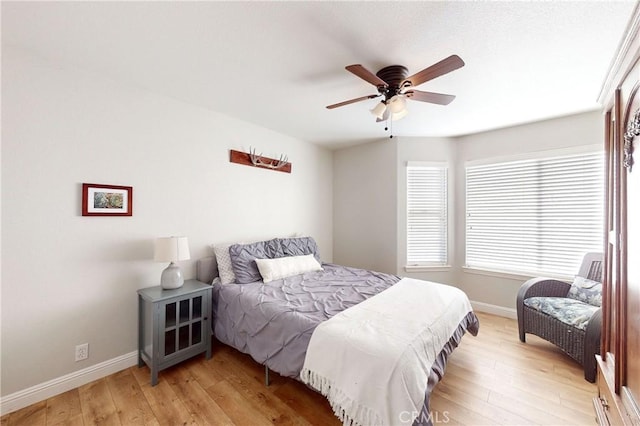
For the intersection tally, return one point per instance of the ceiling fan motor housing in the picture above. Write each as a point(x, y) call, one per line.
point(393, 75)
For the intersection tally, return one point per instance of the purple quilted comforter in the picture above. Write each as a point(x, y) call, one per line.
point(273, 322)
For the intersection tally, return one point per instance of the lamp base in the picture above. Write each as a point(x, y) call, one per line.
point(171, 277)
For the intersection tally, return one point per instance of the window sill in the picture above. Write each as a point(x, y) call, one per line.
point(507, 275)
point(499, 274)
point(427, 268)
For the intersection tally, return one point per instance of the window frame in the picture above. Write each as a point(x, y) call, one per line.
point(444, 215)
point(507, 272)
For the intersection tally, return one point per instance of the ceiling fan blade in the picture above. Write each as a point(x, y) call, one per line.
point(445, 66)
point(433, 98)
point(351, 101)
point(366, 75)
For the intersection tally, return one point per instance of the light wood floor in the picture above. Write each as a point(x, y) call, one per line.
point(491, 379)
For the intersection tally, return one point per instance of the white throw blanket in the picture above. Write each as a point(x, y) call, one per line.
point(372, 360)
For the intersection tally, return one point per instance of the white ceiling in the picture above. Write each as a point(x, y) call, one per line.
point(278, 64)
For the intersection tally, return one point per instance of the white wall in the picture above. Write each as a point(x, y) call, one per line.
point(68, 279)
point(365, 214)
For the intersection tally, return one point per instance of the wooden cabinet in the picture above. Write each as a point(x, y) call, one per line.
point(619, 364)
point(174, 325)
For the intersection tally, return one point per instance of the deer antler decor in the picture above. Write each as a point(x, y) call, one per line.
point(257, 160)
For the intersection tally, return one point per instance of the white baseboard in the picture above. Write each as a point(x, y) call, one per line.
point(54, 387)
point(494, 309)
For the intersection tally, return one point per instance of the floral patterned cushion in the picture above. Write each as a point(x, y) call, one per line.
point(570, 311)
point(586, 291)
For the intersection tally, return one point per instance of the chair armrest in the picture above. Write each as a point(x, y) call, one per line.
point(543, 287)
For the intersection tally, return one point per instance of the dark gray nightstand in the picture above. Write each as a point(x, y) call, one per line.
point(173, 325)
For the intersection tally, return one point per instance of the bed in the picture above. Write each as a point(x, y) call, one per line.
point(287, 317)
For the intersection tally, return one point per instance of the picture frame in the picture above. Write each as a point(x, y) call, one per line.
point(106, 200)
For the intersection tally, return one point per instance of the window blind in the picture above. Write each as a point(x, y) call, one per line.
point(426, 215)
point(536, 216)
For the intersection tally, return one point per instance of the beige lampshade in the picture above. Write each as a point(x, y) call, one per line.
point(379, 110)
point(398, 115)
point(396, 104)
point(171, 249)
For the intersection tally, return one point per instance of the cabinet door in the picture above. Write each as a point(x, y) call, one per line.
point(191, 322)
point(183, 326)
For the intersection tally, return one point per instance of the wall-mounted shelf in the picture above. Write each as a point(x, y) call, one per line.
point(244, 158)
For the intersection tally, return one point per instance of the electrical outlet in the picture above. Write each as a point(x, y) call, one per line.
point(82, 352)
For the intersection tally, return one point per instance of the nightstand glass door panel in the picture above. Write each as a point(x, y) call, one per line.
point(197, 307)
point(184, 311)
point(196, 333)
point(183, 341)
point(188, 330)
point(169, 342)
point(170, 315)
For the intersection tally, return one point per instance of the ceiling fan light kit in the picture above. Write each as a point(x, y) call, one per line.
point(379, 110)
point(396, 104)
point(398, 115)
point(394, 85)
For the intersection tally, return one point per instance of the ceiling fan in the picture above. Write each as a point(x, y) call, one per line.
point(394, 85)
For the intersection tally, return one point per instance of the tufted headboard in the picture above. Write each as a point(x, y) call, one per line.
point(206, 269)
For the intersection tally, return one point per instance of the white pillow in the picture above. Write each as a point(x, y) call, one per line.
point(282, 267)
point(225, 270)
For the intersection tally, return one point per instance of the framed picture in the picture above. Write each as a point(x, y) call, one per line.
point(106, 200)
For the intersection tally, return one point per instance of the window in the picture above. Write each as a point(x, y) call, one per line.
point(537, 216)
point(426, 214)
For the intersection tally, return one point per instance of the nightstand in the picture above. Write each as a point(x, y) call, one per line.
point(173, 325)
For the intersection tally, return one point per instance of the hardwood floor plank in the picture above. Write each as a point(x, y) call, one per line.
point(97, 404)
point(450, 412)
point(32, 415)
point(234, 362)
point(235, 406)
point(131, 405)
point(200, 368)
point(165, 404)
point(262, 398)
point(201, 406)
point(536, 413)
point(484, 409)
point(309, 404)
point(65, 409)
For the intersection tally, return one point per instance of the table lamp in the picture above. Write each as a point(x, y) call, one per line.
point(171, 249)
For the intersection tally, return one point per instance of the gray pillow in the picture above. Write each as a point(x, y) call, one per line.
point(243, 258)
point(299, 247)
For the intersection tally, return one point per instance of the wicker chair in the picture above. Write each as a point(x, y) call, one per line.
point(580, 344)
